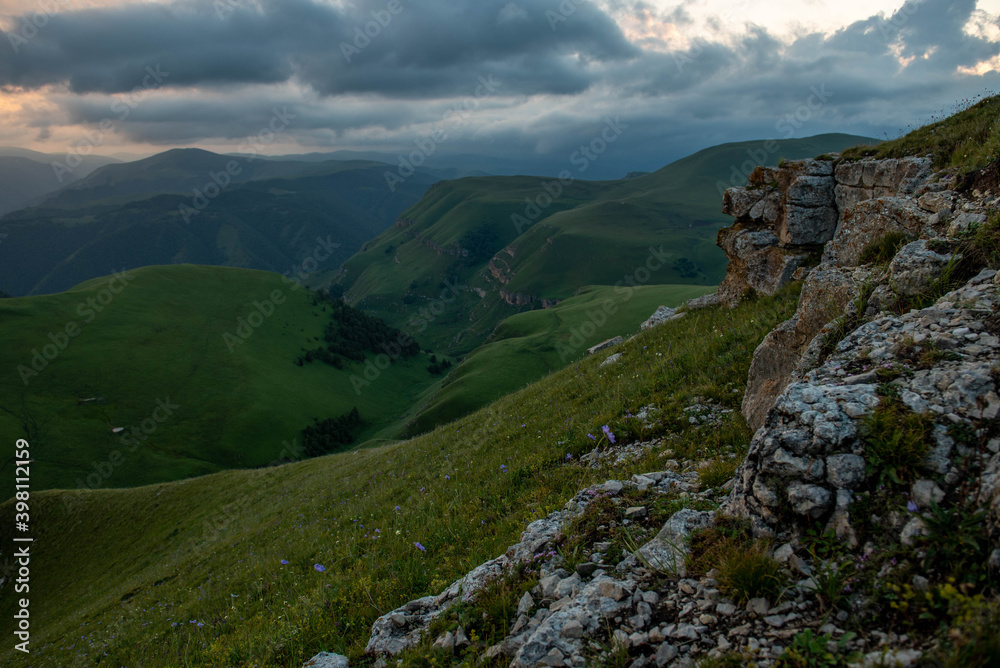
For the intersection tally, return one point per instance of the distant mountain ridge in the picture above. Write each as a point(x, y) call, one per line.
point(27, 177)
point(257, 214)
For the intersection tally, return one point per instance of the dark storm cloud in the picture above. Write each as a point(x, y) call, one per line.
point(427, 48)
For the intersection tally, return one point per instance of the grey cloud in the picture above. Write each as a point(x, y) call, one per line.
point(424, 50)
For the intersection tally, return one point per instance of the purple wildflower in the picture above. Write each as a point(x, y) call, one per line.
point(320, 567)
point(591, 437)
point(607, 432)
point(420, 547)
point(912, 507)
point(284, 562)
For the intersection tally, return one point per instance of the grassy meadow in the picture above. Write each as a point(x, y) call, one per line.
point(159, 341)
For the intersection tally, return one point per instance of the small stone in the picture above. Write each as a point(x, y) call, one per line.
point(445, 642)
point(758, 606)
point(635, 512)
point(522, 621)
point(611, 590)
point(656, 635)
point(726, 609)
point(526, 604)
point(612, 487)
point(549, 584)
point(612, 359)
point(327, 660)
point(586, 569)
point(800, 565)
point(741, 630)
point(707, 620)
point(637, 639)
point(553, 658)
point(665, 654)
point(925, 491)
point(913, 529)
point(777, 621)
point(685, 632)
point(785, 551)
point(573, 629)
point(567, 586)
point(398, 619)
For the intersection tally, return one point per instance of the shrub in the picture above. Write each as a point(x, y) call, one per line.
point(896, 440)
point(882, 250)
point(957, 543)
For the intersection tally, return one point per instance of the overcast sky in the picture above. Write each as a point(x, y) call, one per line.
point(548, 73)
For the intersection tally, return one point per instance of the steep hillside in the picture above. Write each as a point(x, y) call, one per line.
point(528, 346)
point(147, 213)
point(225, 568)
point(198, 362)
point(523, 242)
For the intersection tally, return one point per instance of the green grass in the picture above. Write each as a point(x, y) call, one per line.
point(967, 140)
point(592, 233)
point(210, 548)
point(527, 346)
point(161, 339)
point(896, 441)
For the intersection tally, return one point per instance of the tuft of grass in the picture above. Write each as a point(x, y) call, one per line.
point(896, 441)
point(717, 472)
point(847, 322)
point(750, 572)
point(967, 140)
point(745, 566)
point(882, 250)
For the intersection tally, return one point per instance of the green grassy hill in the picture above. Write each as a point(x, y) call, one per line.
point(528, 346)
point(512, 242)
point(161, 340)
point(220, 570)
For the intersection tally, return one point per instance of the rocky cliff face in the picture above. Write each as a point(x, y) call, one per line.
point(806, 210)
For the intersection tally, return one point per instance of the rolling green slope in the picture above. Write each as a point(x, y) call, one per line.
point(221, 570)
point(528, 346)
point(520, 242)
point(153, 356)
